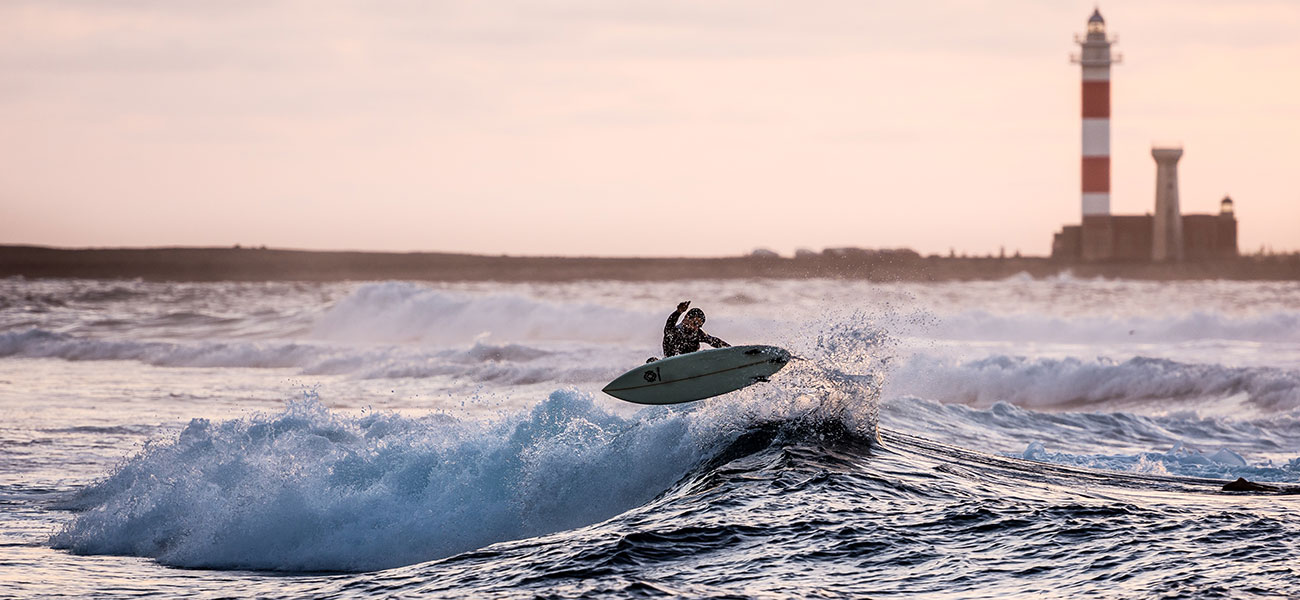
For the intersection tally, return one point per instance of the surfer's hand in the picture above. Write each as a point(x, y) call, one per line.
point(681, 306)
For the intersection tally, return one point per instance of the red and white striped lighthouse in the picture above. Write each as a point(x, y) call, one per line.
point(1096, 60)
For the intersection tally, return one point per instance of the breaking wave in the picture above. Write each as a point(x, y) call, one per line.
point(309, 490)
point(1276, 326)
point(1051, 383)
point(312, 490)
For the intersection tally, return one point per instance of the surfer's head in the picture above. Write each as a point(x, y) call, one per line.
point(694, 319)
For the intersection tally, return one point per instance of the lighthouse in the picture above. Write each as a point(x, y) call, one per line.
point(1095, 58)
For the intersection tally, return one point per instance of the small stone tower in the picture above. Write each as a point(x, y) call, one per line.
point(1167, 239)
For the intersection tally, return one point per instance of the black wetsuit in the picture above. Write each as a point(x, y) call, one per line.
point(679, 340)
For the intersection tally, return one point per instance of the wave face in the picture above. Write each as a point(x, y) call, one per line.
point(1020, 438)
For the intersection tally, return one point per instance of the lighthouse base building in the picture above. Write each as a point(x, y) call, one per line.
point(1130, 238)
point(1166, 236)
point(1143, 238)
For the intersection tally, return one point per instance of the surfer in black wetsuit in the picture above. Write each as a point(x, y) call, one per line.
point(684, 338)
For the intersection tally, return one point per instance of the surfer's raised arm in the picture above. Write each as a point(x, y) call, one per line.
point(670, 329)
point(672, 319)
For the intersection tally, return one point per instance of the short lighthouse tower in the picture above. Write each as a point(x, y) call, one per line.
point(1095, 58)
point(1167, 235)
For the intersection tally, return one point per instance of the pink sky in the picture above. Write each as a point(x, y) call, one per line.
point(638, 127)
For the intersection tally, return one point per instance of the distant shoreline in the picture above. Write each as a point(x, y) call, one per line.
point(256, 264)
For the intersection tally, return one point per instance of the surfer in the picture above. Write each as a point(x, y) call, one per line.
point(685, 338)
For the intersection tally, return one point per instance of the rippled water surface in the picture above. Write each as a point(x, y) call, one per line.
point(1057, 438)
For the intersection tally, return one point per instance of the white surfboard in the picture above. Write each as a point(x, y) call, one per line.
point(698, 375)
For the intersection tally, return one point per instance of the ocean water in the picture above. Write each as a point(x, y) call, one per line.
point(1018, 438)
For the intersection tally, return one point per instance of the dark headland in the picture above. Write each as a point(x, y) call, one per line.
point(261, 264)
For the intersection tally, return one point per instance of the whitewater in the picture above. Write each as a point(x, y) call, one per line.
point(1020, 438)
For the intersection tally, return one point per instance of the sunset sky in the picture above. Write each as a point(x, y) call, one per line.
point(634, 127)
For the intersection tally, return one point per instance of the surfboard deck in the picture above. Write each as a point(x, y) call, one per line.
point(698, 375)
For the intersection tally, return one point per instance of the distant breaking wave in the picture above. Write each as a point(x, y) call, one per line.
point(1279, 326)
point(407, 312)
point(482, 361)
point(1047, 383)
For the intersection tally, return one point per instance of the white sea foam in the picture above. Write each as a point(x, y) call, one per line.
point(1179, 460)
point(1066, 276)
